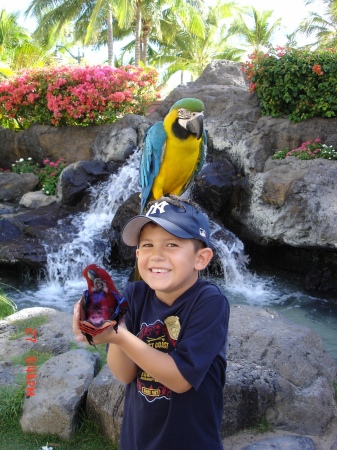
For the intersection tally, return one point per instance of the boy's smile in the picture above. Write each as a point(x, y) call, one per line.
point(169, 265)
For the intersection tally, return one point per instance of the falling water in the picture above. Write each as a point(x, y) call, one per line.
point(88, 245)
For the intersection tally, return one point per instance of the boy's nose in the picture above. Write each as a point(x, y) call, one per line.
point(157, 255)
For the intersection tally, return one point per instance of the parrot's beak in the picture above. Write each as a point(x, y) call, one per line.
point(196, 126)
point(92, 275)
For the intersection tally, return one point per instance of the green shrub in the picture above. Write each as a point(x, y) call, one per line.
point(48, 175)
point(298, 84)
point(309, 150)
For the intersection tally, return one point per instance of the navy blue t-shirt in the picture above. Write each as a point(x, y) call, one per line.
point(194, 332)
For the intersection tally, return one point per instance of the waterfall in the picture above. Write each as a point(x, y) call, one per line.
point(231, 253)
point(88, 244)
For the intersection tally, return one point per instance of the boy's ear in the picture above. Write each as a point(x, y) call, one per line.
point(204, 256)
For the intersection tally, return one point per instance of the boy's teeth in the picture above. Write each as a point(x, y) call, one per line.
point(159, 270)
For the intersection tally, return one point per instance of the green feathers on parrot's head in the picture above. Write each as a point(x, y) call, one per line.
point(191, 104)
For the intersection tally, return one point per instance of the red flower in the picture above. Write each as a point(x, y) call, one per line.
point(317, 69)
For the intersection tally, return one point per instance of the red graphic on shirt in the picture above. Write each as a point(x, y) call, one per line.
point(157, 336)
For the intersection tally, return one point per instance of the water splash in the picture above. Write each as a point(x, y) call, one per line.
point(88, 245)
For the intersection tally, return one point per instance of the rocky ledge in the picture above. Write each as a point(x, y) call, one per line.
point(277, 371)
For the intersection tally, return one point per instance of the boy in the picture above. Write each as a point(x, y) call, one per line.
point(171, 349)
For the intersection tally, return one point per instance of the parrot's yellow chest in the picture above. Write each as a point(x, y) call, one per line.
point(179, 163)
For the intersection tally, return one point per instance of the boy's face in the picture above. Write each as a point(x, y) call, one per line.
point(169, 265)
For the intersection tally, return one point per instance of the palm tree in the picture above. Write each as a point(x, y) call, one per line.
point(90, 18)
point(324, 29)
point(257, 35)
point(17, 48)
point(12, 35)
point(146, 18)
point(181, 50)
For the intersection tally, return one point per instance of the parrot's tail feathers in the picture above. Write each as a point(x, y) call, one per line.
point(87, 328)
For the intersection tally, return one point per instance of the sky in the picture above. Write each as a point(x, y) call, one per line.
point(291, 12)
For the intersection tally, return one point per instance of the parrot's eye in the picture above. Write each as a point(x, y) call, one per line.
point(184, 113)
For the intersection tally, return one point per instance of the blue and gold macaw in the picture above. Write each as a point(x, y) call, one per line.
point(173, 151)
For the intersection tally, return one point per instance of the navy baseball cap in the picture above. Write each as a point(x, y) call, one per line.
point(180, 219)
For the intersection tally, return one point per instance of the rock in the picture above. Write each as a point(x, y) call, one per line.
point(61, 386)
point(116, 142)
point(45, 226)
point(35, 200)
point(334, 446)
point(282, 443)
point(55, 336)
point(276, 369)
point(41, 142)
point(250, 390)
point(213, 187)
point(105, 403)
point(10, 229)
point(121, 254)
point(291, 202)
point(77, 179)
point(293, 363)
point(14, 185)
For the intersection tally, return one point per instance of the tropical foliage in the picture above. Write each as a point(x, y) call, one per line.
point(181, 50)
point(75, 95)
point(298, 84)
point(258, 34)
point(309, 150)
point(48, 174)
point(17, 49)
point(322, 27)
point(7, 306)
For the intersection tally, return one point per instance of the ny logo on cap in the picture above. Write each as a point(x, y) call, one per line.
point(157, 206)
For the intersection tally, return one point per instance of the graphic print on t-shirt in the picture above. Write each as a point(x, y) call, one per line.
point(157, 336)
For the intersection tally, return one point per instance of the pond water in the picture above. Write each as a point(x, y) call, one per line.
point(63, 283)
point(261, 287)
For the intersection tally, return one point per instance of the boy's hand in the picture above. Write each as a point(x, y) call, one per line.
point(76, 318)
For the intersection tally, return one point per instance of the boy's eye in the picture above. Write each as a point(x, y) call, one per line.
point(171, 244)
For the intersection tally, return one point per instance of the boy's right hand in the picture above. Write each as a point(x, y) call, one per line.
point(76, 329)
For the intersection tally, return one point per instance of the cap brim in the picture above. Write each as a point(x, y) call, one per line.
point(132, 229)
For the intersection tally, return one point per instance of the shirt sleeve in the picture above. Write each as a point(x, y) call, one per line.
point(203, 337)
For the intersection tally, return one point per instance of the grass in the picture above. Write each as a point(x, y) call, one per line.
point(41, 358)
point(7, 306)
point(263, 426)
point(87, 437)
point(100, 348)
point(22, 325)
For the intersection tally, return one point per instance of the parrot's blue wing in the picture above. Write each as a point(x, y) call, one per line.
point(152, 156)
point(201, 160)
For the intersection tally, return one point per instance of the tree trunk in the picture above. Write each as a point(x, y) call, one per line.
point(144, 49)
point(138, 32)
point(110, 39)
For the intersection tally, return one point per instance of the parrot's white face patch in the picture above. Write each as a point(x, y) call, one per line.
point(184, 116)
